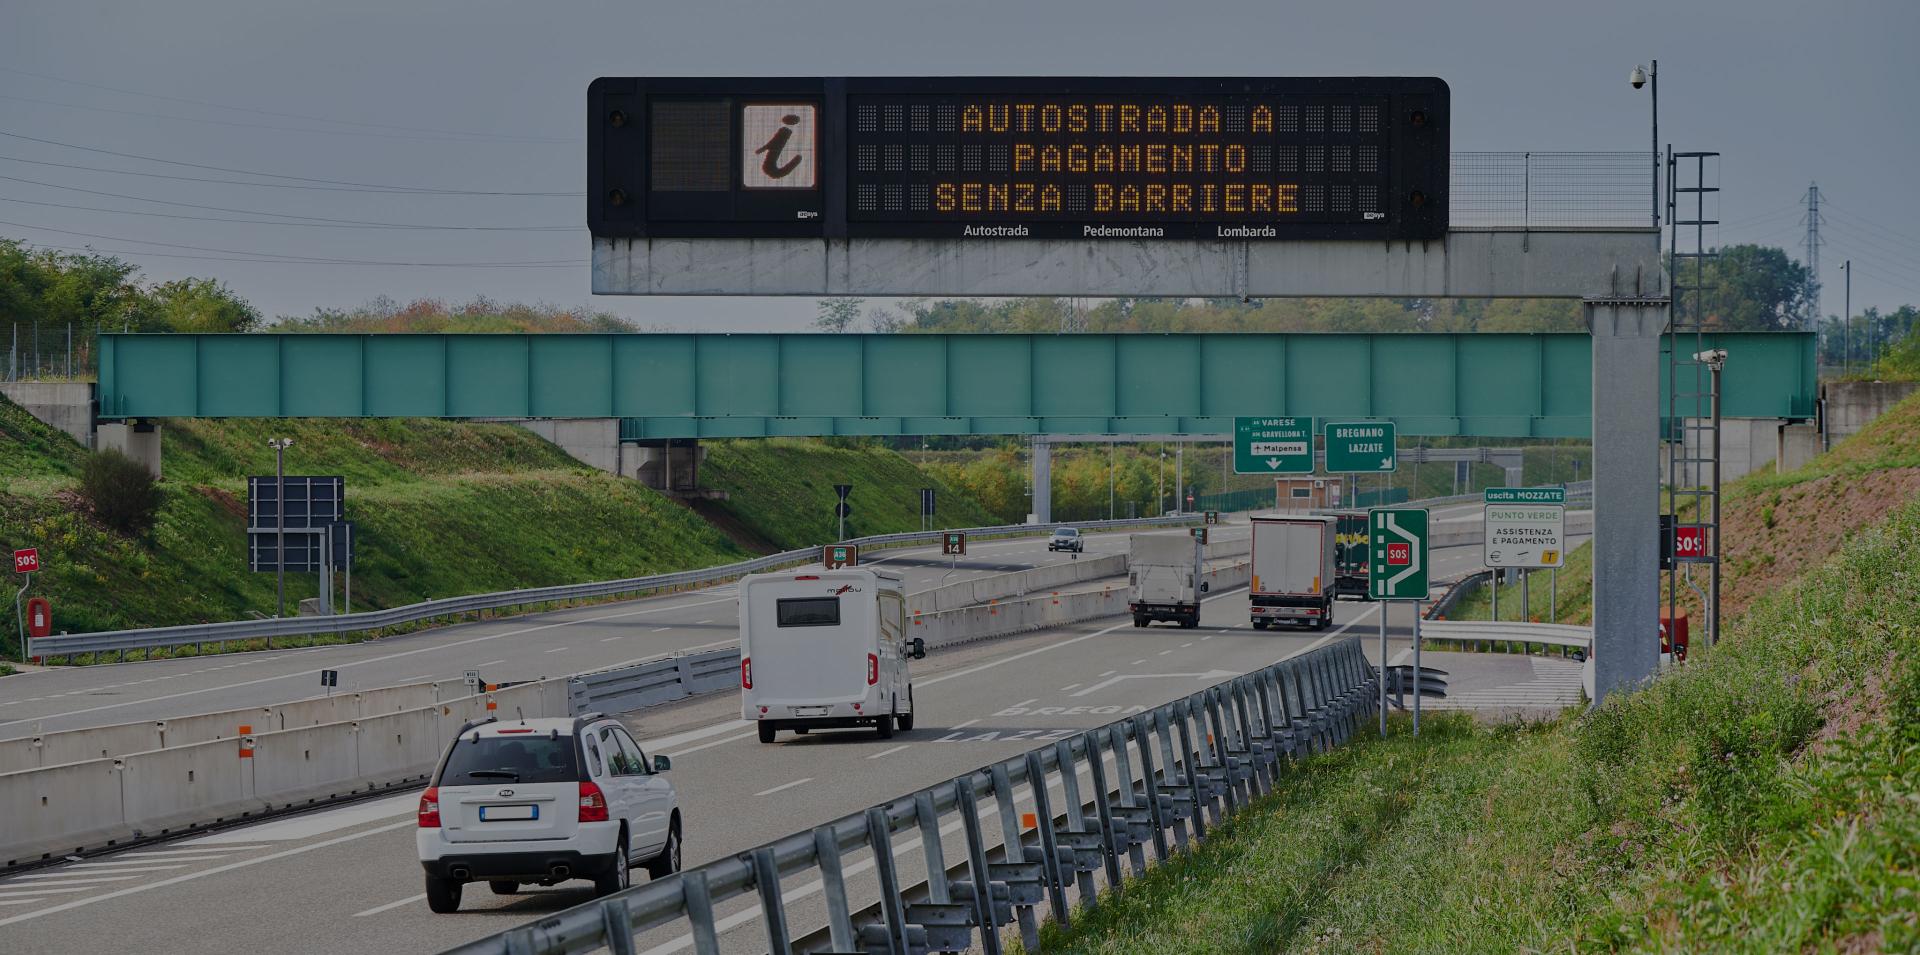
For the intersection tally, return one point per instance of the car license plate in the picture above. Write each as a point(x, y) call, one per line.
point(508, 813)
point(810, 710)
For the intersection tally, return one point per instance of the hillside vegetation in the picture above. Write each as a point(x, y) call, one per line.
point(1758, 799)
point(781, 489)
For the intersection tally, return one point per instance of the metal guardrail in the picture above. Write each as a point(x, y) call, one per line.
point(1176, 771)
point(149, 638)
point(1508, 631)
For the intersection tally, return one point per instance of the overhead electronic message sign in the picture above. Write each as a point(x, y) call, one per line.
point(1010, 158)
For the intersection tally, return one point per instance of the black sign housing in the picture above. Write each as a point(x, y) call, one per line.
point(992, 158)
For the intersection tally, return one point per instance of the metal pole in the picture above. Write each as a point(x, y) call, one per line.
point(69, 351)
point(1384, 604)
point(280, 522)
point(1846, 363)
point(20, 616)
point(1553, 598)
point(1496, 593)
point(1713, 612)
point(1109, 479)
point(1654, 75)
point(1419, 680)
point(1180, 477)
point(347, 604)
point(1526, 600)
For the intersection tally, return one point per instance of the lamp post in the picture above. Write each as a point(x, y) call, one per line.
point(1637, 79)
point(280, 446)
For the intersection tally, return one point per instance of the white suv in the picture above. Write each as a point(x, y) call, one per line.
point(542, 801)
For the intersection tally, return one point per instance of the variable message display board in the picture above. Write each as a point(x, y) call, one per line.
point(986, 158)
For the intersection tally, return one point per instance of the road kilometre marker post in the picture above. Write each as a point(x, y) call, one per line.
point(1272, 445)
point(1397, 569)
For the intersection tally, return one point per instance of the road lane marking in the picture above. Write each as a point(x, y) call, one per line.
point(661, 629)
point(785, 786)
point(40, 890)
point(57, 878)
point(204, 873)
point(669, 742)
point(315, 824)
point(890, 752)
point(702, 622)
point(116, 868)
point(376, 910)
point(1136, 663)
point(1165, 652)
point(1110, 673)
point(679, 753)
point(610, 639)
point(1185, 645)
point(1068, 687)
point(1025, 702)
point(343, 664)
point(961, 726)
point(556, 650)
point(19, 901)
point(185, 852)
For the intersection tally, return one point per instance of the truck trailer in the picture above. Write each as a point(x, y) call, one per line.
point(1293, 570)
point(1350, 555)
point(1165, 578)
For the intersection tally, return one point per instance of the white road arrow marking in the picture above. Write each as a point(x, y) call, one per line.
point(1210, 675)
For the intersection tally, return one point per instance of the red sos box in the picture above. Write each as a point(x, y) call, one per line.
point(1399, 555)
point(26, 561)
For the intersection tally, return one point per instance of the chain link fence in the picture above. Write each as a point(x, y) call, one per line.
point(1556, 190)
point(46, 351)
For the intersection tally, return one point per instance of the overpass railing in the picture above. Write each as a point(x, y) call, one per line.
point(1550, 190)
point(197, 635)
point(1155, 781)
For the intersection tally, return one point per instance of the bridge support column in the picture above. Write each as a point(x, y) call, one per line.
point(138, 439)
point(1042, 481)
point(1626, 490)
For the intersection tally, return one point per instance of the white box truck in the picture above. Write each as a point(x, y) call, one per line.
point(1164, 578)
point(824, 649)
point(1293, 570)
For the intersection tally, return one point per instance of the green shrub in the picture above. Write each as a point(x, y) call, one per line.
point(120, 492)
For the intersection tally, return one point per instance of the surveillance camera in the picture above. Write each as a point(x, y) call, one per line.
point(1638, 77)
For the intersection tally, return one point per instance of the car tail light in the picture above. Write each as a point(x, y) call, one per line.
point(746, 673)
point(593, 805)
point(873, 669)
point(430, 808)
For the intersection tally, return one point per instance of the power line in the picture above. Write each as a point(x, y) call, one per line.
point(304, 258)
point(281, 114)
point(381, 187)
point(255, 212)
point(261, 185)
point(149, 114)
point(220, 258)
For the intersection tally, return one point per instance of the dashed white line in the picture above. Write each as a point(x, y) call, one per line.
point(376, 910)
point(1025, 702)
point(676, 754)
point(1165, 652)
point(1068, 687)
point(701, 622)
point(117, 868)
point(40, 890)
point(661, 629)
point(609, 639)
point(958, 726)
point(785, 786)
point(890, 752)
point(1185, 645)
point(1110, 673)
point(556, 649)
point(1137, 663)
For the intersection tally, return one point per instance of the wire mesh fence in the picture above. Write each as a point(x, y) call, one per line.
point(47, 351)
point(1560, 190)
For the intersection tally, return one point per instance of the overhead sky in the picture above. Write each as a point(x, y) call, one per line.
point(489, 98)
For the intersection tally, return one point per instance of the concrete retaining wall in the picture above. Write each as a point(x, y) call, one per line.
point(1850, 405)
point(80, 806)
point(66, 405)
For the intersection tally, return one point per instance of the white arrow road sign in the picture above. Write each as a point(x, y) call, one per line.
point(1413, 543)
point(1212, 676)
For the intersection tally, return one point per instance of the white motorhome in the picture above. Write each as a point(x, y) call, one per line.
point(826, 648)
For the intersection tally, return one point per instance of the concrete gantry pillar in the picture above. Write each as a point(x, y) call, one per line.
point(1042, 481)
point(1626, 490)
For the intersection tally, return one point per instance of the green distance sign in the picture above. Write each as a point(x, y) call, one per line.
point(1273, 445)
point(1361, 447)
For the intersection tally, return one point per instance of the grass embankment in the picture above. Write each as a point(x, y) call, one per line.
point(781, 490)
point(1776, 525)
point(441, 508)
point(1759, 799)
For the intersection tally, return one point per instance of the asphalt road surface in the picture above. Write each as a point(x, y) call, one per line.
point(346, 879)
point(513, 649)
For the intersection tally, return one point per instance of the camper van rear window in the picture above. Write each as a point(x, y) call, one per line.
point(808, 612)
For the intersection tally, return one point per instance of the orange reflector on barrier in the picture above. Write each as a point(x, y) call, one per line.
point(1029, 821)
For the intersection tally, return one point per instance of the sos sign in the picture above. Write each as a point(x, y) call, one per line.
point(26, 561)
point(1690, 542)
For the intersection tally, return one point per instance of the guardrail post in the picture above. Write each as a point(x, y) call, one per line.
point(1103, 807)
point(1218, 730)
point(773, 912)
point(619, 928)
point(1049, 840)
point(833, 882)
point(892, 907)
point(1190, 760)
point(1172, 776)
point(930, 846)
point(1013, 847)
point(1123, 770)
point(1243, 727)
point(1076, 814)
point(1151, 782)
point(698, 899)
point(984, 915)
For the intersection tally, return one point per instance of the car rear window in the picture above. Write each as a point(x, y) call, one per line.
point(1066, 532)
point(510, 759)
point(808, 612)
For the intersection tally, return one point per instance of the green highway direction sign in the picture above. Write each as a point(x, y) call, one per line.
point(1526, 495)
point(1361, 447)
point(1273, 445)
point(1397, 553)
